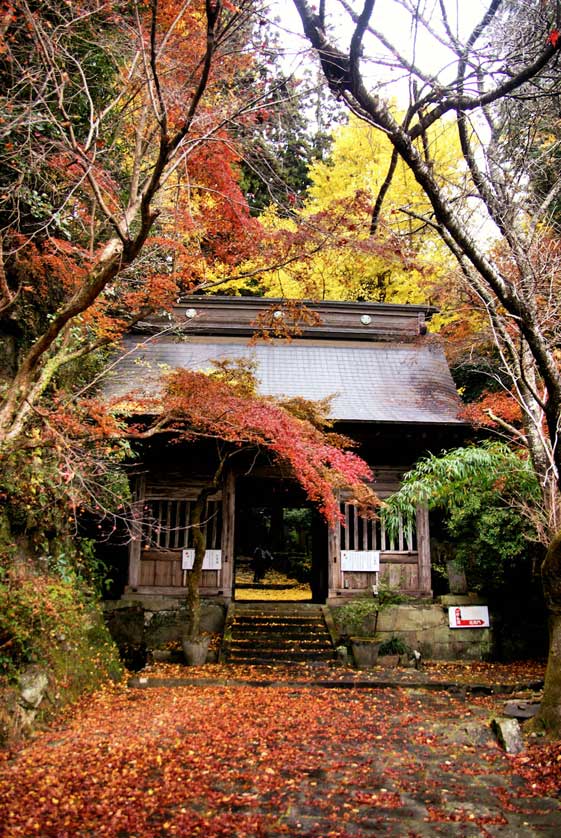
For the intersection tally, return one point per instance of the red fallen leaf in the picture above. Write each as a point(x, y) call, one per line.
point(221, 760)
point(553, 37)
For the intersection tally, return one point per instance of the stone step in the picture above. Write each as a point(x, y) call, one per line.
point(297, 619)
point(279, 615)
point(286, 636)
point(277, 625)
point(269, 627)
point(263, 633)
point(303, 609)
point(275, 643)
point(263, 656)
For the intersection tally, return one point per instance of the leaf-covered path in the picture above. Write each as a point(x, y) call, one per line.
point(273, 761)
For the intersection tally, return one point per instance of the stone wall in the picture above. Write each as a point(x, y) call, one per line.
point(425, 627)
point(151, 624)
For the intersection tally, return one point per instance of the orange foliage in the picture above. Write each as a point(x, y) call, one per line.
point(203, 220)
point(196, 405)
point(501, 404)
point(215, 206)
point(48, 269)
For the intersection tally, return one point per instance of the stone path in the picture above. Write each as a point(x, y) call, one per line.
point(432, 768)
point(230, 760)
point(437, 776)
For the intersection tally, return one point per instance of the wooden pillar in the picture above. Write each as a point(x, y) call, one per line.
point(228, 533)
point(334, 559)
point(135, 545)
point(423, 548)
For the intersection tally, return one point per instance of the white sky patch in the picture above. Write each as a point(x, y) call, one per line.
point(429, 51)
point(393, 19)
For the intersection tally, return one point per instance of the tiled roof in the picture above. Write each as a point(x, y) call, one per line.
point(369, 381)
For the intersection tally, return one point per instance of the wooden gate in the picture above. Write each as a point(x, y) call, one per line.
point(362, 555)
point(161, 551)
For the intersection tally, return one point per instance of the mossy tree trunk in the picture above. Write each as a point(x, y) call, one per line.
point(549, 715)
point(194, 576)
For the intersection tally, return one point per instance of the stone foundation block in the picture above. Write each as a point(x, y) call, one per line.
point(426, 628)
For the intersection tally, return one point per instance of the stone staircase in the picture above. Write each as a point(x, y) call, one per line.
point(276, 633)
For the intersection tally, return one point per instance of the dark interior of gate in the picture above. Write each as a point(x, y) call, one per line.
point(280, 545)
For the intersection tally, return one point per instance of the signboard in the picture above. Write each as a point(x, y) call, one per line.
point(468, 616)
point(211, 561)
point(361, 560)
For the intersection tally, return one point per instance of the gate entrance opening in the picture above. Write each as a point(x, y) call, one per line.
point(280, 543)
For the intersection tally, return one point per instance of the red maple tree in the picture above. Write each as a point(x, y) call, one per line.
point(120, 189)
point(226, 407)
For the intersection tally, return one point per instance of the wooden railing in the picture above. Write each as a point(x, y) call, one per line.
point(401, 564)
point(358, 533)
point(167, 524)
point(166, 532)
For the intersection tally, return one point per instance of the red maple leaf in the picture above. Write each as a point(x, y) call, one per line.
point(553, 37)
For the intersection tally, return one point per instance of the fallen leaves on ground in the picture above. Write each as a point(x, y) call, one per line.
point(300, 593)
point(517, 672)
point(275, 587)
point(540, 765)
point(463, 673)
point(233, 760)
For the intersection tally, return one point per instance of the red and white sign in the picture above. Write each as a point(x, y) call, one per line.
point(468, 616)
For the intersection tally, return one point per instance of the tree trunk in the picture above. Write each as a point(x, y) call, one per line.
point(194, 576)
point(198, 515)
point(549, 715)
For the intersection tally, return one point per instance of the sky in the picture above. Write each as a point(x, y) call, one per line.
point(392, 19)
point(395, 23)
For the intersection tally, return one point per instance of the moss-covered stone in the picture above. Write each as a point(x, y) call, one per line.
point(54, 627)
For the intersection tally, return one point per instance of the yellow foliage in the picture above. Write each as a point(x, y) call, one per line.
point(338, 258)
point(360, 159)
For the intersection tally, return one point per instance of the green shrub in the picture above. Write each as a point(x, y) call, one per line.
point(57, 625)
point(360, 616)
point(357, 617)
point(394, 646)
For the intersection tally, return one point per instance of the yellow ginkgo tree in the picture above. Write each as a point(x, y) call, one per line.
point(333, 247)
